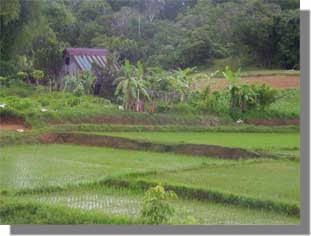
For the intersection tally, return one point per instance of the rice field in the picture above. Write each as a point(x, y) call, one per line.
point(34, 166)
point(263, 141)
point(29, 172)
point(120, 202)
point(269, 180)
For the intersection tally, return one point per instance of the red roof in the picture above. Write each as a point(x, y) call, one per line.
point(86, 51)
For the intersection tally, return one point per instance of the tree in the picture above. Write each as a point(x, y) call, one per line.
point(153, 8)
point(156, 209)
point(49, 58)
point(9, 11)
point(288, 45)
point(105, 85)
point(253, 32)
point(182, 82)
point(131, 85)
point(20, 21)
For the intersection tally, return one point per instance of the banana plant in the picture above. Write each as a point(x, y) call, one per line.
point(132, 84)
point(182, 81)
point(234, 88)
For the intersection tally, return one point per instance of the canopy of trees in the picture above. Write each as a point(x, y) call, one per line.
point(167, 33)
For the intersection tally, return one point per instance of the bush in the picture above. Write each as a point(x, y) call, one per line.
point(162, 107)
point(265, 95)
point(80, 85)
point(183, 109)
point(156, 210)
point(7, 68)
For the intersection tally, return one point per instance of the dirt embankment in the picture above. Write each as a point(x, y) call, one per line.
point(273, 122)
point(143, 120)
point(12, 123)
point(124, 143)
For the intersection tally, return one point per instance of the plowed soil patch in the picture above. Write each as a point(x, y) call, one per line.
point(279, 82)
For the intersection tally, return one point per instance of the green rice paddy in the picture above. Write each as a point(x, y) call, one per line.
point(27, 171)
point(34, 166)
point(118, 202)
point(263, 141)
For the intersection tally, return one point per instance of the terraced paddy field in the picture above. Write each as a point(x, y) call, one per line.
point(122, 202)
point(35, 166)
point(102, 185)
point(261, 180)
point(272, 142)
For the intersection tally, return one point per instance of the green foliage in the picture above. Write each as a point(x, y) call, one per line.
point(105, 77)
point(8, 68)
point(49, 56)
point(171, 34)
point(246, 97)
point(38, 75)
point(156, 209)
point(132, 84)
point(21, 75)
point(10, 11)
point(163, 107)
point(288, 45)
point(3, 81)
point(182, 109)
point(79, 85)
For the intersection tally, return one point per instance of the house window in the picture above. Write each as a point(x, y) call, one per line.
point(67, 60)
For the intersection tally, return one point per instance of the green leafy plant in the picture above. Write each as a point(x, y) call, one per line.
point(80, 85)
point(156, 209)
point(132, 84)
point(38, 75)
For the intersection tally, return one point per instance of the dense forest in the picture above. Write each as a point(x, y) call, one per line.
point(167, 33)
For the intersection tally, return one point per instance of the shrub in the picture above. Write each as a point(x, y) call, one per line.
point(248, 97)
point(80, 85)
point(162, 107)
point(266, 95)
point(3, 81)
point(183, 109)
point(156, 209)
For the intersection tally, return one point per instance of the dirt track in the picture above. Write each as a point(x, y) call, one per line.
point(280, 82)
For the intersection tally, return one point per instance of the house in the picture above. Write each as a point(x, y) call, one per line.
point(81, 59)
point(77, 60)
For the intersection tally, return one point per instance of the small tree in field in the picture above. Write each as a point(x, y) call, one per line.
point(156, 209)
